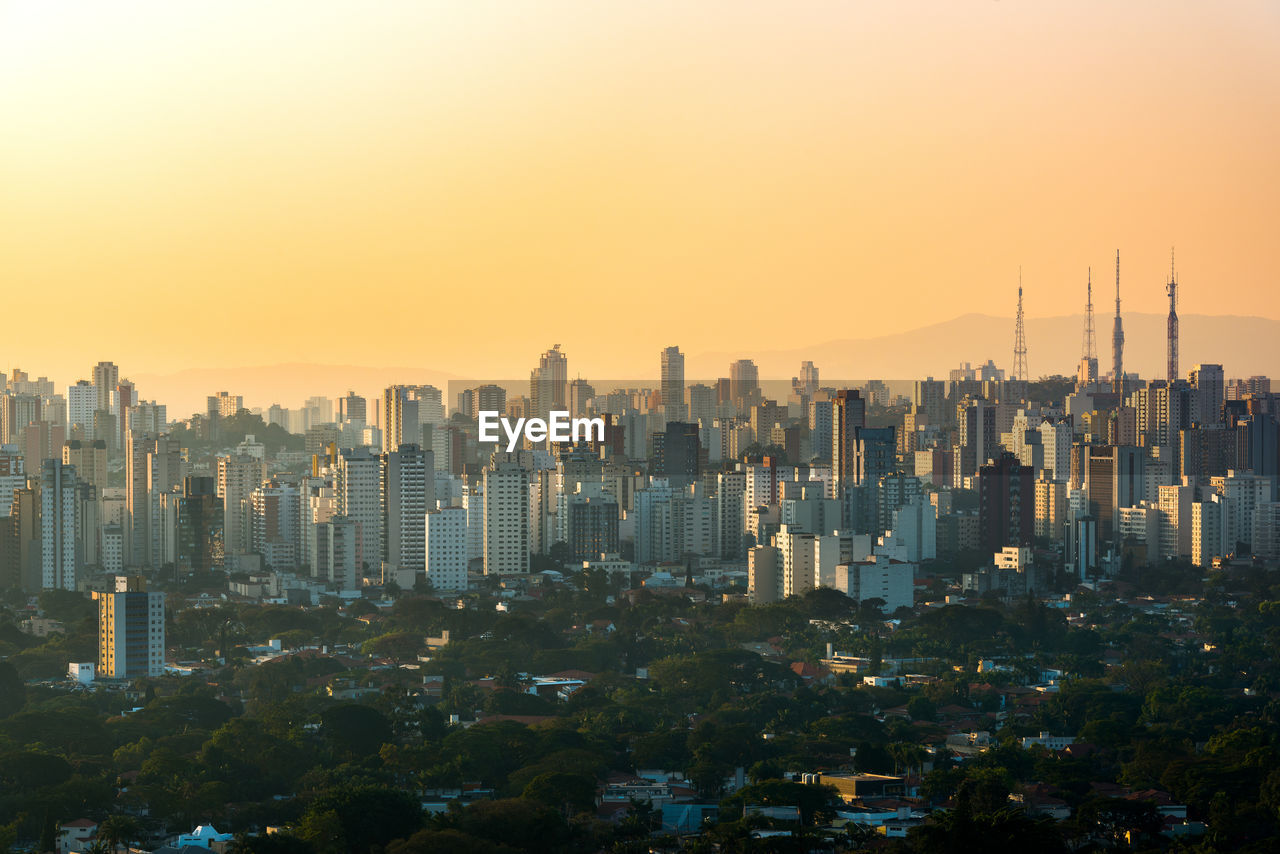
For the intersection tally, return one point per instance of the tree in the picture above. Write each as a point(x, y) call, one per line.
point(570, 793)
point(355, 729)
point(118, 829)
point(400, 647)
point(13, 693)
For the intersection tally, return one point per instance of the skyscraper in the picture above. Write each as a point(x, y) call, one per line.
point(506, 517)
point(445, 544)
point(848, 416)
point(408, 491)
point(549, 383)
point(105, 378)
point(238, 476)
point(673, 384)
point(744, 383)
point(358, 484)
point(58, 526)
point(130, 631)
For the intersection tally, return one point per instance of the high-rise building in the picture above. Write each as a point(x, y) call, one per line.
point(106, 376)
point(673, 384)
point(445, 544)
point(352, 407)
point(335, 553)
point(744, 383)
point(797, 551)
point(1006, 504)
point(1208, 396)
point(199, 528)
point(549, 383)
point(358, 485)
point(58, 526)
point(408, 490)
point(506, 517)
point(275, 525)
point(1116, 478)
point(82, 400)
point(238, 476)
point(130, 631)
point(224, 404)
point(848, 416)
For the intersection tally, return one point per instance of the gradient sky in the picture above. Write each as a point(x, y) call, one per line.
point(460, 185)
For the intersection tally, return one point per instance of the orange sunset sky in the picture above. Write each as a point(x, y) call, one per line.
point(460, 185)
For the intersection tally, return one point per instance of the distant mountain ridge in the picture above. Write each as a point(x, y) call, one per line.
point(1244, 346)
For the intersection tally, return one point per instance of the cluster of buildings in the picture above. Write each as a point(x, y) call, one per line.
point(810, 486)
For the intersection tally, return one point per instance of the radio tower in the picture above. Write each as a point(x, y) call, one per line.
point(1088, 374)
point(1172, 290)
point(1117, 343)
point(1020, 340)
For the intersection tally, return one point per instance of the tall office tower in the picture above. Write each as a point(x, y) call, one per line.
point(319, 409)
point(1006, 504)
point(106, 376)
point(930, 397)
point(238, 476)
point(130, 631)
point(506, 517)
point(82, 399)
point(1209, 396)
point(764, 582)
point(673, 384)
point(125, 398)
point(1209, 530)
point(200, 545)
point(358, 484)
point(979, 435)
point(1055, 438)
point(400, 424)
point(137, 512)
point(147, 416)
point(16, 412)
point(1117, 342)
point(875, 455)
point(549, 383)
point(1020, 373)
point(744, 383)
point(848, 416)
point(1087, 374)
point(677, 454)
point(275, 524)
point(1116, 477)
point(1051, 507)
point(42, 440)
point(1171, 371)
point(335, 553)
point(701, 403)
point(821, 414)
point(731, 518)
point(445, 544)
point(484, 398)
point(408, 490)
point(591, 522)
point(807, 383)
point(796, 550)
point(580, 392)
point(225, 405)
point(89, 456)
point(352, 407)
point(58, 526)
point(163, 472)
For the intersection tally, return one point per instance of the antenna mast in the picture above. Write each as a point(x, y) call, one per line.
point(1020, 340)
point(1117, 342)
point(1172, 290)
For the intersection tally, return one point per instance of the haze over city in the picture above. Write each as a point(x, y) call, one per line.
point(639, 427)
